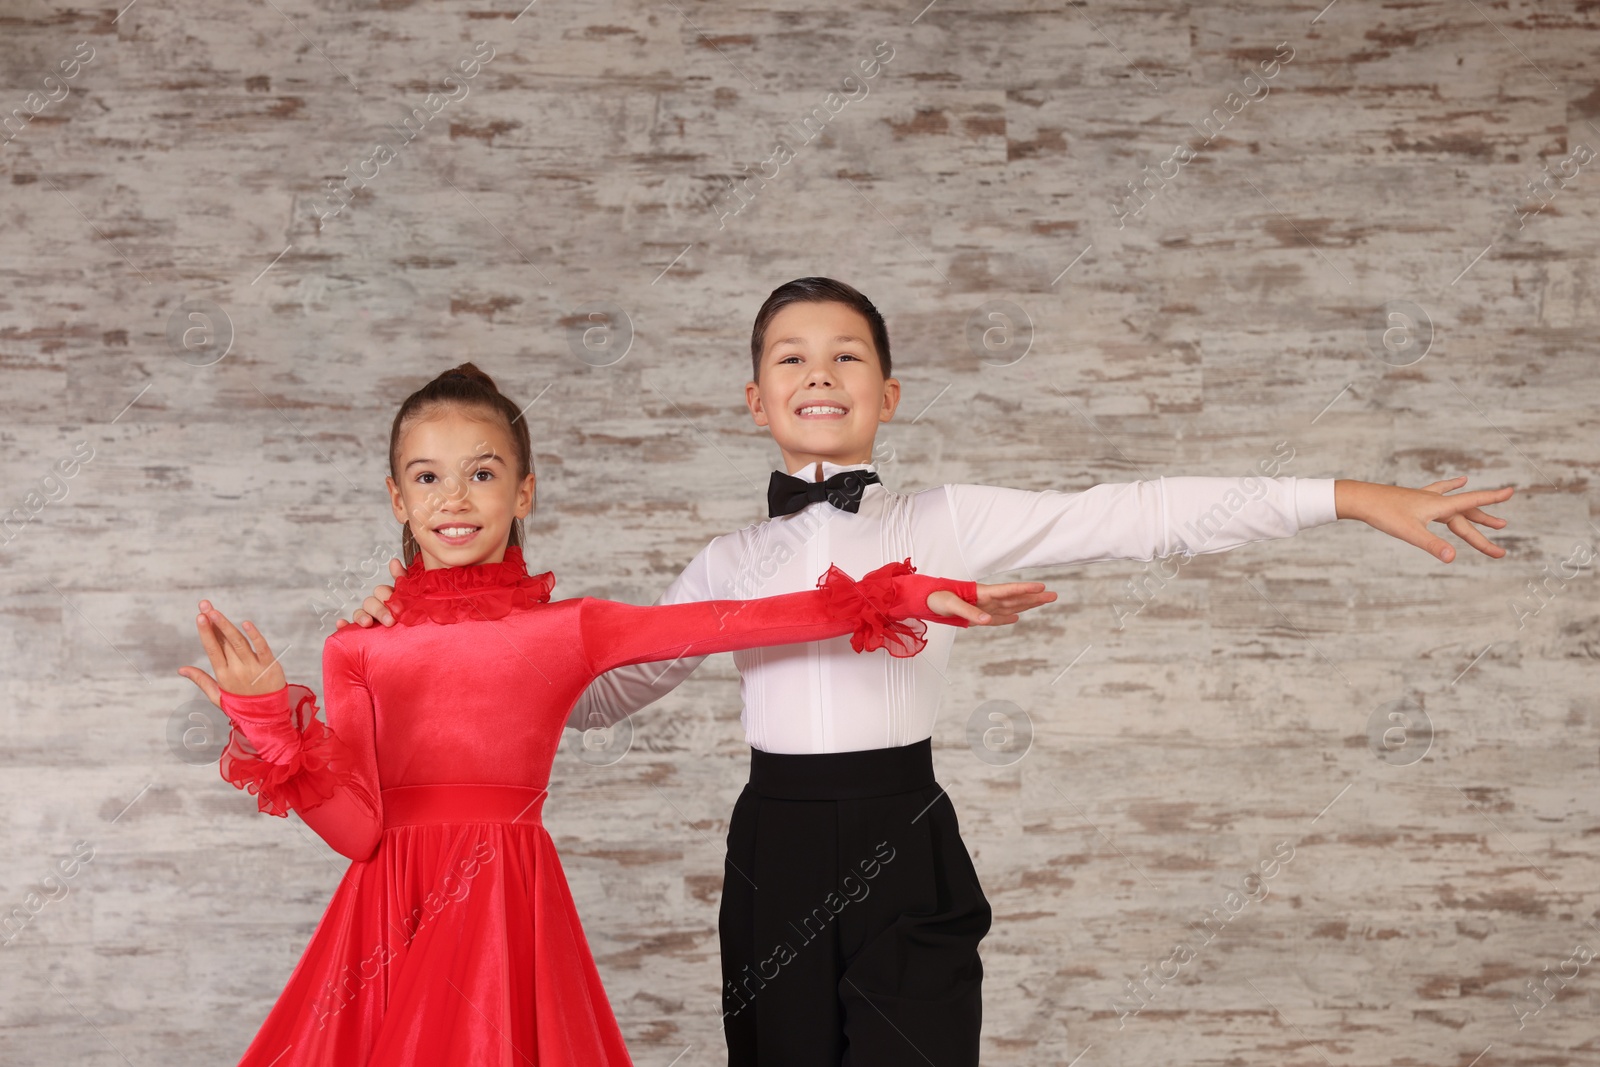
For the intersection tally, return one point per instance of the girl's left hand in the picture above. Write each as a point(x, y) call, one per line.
point(241, 668)
point(1405, 513)
point(998, 605)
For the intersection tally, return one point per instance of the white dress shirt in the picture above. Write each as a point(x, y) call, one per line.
point(824, 697)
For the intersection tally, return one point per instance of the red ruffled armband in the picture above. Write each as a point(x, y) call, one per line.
point(309, 776)
point(874, 604)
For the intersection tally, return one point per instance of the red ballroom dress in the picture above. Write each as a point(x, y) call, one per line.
point(453, 938)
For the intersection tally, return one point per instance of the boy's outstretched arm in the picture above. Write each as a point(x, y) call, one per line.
point(1405, 513)
point(1001, 529)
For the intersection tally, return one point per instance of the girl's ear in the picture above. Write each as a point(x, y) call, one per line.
point(396, 503)
point(526, 496)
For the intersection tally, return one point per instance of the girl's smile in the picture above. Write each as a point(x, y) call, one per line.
point(458, 488)
point(456, 533)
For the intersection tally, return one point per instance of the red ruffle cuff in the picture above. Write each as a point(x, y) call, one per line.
point(460, 594)
point(305, 777)
point(877, 602)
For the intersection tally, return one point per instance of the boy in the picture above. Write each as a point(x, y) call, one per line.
point(861, 942)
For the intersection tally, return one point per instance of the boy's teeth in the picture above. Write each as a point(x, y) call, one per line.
point(823, 409)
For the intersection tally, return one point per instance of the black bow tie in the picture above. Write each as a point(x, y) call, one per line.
point(787, 494)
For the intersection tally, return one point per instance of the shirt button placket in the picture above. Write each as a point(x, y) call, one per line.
point(819, 554)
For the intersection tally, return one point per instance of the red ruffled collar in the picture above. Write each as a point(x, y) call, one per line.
point(477, 591)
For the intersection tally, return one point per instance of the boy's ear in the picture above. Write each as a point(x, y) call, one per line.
point(891, 399)
point(752, 400)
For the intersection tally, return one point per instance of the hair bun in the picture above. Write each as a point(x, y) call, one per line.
point(469, 372)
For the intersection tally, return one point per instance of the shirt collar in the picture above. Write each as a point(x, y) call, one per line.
point(808, 472)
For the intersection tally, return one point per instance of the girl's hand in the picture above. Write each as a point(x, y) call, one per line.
point(1405, 513)
point(240, 668)
point(373, 609)
point(998, 605)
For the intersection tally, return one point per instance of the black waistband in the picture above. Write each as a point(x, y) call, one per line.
point(875, 772)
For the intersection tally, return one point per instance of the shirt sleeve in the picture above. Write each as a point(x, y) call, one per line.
point(328, 772)
point(618, 634)
point(619, 693)
point(1001, 529)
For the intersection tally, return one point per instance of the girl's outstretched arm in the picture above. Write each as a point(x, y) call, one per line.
point(618, 634)
point(1405, 513)
point(279, 750)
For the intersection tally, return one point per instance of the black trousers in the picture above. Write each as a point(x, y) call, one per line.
point(851, 916)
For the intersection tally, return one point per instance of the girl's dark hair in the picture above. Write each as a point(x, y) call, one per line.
point(816, 291)
point(464, 386)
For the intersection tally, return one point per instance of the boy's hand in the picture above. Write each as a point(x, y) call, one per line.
point(372, 609)
point(998, 605)
point(1405, 513)
point(240, 668)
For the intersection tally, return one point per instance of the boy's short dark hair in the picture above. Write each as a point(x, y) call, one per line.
point(817, 291)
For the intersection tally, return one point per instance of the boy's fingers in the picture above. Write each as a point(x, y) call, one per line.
point(376, 610)
point(1437, 547)
point(1450, 515)
point(1481, 497)
point(1470, 534)
point(1418, 534)
point(1440, 487)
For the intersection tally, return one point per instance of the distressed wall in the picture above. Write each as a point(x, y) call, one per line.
point(1375, 263)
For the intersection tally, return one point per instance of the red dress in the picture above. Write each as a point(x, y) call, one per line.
point(452, 938)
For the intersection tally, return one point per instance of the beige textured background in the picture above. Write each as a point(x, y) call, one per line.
point(1389, 160)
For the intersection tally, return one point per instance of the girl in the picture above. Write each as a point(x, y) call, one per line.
point(452, 937)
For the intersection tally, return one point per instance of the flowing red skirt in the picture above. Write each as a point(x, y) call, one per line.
point(456, 943)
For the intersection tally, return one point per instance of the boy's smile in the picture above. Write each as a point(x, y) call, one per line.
point(822, 392)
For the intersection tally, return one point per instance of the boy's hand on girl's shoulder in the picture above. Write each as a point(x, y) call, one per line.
point(373, 608)
point(1405, 513)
